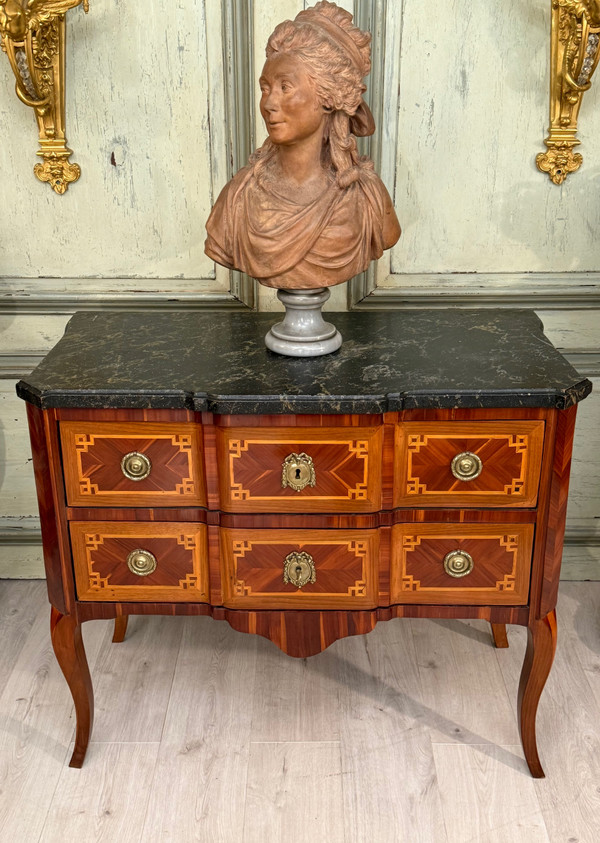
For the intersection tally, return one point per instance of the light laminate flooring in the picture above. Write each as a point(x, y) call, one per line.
point(206, 734)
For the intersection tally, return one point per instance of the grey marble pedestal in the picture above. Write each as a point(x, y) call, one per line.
point(303, 332)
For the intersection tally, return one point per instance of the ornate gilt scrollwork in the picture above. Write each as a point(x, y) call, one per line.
point(575, 52)
point(32, 33)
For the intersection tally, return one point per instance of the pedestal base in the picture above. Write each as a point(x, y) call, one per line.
point(303, 332)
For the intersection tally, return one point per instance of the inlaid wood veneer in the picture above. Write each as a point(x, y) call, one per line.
point(345, 568)
point(93, 454)
point(347, 466)
point(509, 455)
point(501, 556)
point(100, 557)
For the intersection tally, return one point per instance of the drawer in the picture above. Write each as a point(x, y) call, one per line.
point(465, 464)
point(293, 569)
point(112, 464)
point(140, 561)
point(461, 563)
point(300, 469)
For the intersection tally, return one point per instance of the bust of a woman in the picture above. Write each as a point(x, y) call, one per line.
point(307, 211)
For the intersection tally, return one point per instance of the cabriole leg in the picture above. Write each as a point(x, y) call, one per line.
point(70, 654)
point(120, 629)
point(499, 634)
point(541, 646)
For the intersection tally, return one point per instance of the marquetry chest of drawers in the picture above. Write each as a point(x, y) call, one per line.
point(421, 471)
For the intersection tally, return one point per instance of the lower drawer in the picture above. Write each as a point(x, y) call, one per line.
point(140, 561)
point(299, 569)
point(473, 564)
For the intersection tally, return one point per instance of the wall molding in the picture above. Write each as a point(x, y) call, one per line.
point(238, 62)
point(50, 300)
point(540, 291)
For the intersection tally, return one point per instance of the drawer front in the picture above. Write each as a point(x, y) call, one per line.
point(111, 464)
point(495, 463)
point(461, 563)
point(309, 569)
point(140, 561)
point(300, 469)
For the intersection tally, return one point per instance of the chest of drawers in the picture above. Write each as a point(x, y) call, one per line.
point(422, 471)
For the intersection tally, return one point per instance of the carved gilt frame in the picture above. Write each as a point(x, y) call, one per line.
point(575, 50)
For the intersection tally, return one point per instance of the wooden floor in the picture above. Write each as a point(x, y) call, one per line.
point(206, 734)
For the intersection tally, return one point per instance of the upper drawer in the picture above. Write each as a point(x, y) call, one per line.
point(113, 464)
point(488, 463)
point(288, 469)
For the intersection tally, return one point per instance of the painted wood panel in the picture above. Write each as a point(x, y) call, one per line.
point(150, 160)
point(472, 111)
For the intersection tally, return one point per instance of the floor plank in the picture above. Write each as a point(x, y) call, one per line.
point(132, 680)
point(294, 793)
point(295, 699)
point(486, 801)
point(20, 602)
point(200, 781)
point(37, 723)
point(389, 780)
point(357, 745)
point(463, 684)
point(107, 799)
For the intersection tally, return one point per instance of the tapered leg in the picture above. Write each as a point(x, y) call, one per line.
point(70, 654)
point(499, 634)
point(120, 628)
point(541, 646)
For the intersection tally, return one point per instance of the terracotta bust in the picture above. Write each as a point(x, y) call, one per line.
point(307, 211)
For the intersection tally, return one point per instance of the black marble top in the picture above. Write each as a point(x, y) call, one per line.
point(389, 360)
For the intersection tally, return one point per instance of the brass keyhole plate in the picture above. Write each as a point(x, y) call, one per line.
point(298, 472)
point(299, 569)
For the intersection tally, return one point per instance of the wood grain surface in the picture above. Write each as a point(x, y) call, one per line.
point(418, 761)
point(510, 453)
point(501, 557)
point(93, 452)
point(101, 550)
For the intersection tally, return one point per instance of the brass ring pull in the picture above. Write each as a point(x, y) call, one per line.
point(458, 563)
point(298, 472)
point(136, 466)
point(299, 569)
point(141, 562)
point(466, 466)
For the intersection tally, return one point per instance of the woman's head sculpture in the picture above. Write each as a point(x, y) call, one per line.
point(308, 211)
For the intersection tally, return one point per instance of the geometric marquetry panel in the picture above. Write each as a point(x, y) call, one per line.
point(510, 455)
point(347, 469)
point(253, 563)
point(93, 452)
point(501, 555)
point(101, 549)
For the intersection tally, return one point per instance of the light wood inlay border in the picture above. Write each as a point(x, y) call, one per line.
point(95, 582)
point(408, 539)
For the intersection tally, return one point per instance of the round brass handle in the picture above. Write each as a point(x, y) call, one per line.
point(458, 563)
point(299, 569)
point(466, 466)
point(141, 562)
point(298, 472)
point(136, 466)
